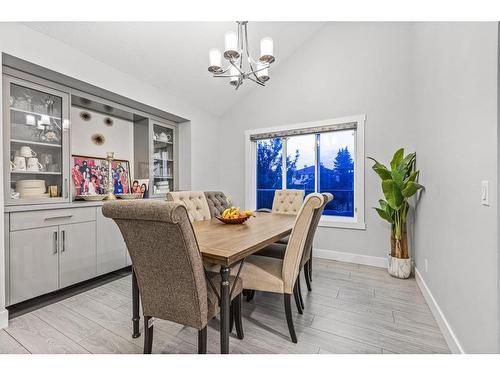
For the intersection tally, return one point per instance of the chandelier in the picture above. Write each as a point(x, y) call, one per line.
point(236, 52)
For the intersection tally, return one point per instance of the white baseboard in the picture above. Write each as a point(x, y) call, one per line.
point(340, 256)
point(447, 331)
point(4, 318)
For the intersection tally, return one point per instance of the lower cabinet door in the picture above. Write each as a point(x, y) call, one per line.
point(77, 253)
point(33, 259)
point(111, 248)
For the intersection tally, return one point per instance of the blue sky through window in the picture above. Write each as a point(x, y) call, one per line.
point(336, 168)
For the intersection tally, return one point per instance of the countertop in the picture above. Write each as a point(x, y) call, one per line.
point(51, 206)
point(57, 206)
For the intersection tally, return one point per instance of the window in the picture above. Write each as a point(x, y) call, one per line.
point(269, 167)
point(317, 157)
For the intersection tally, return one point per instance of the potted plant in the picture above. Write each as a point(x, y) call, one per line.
point(399, 183)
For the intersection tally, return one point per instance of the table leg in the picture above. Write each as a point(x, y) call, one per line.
point(224, 309)
point(135, 306)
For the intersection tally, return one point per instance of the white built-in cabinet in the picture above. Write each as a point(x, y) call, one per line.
point(53, 249)
point(52, 242)
point(34, 263)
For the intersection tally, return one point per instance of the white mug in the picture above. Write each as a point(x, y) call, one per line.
point(34, 165)
point(19, 163)
point(27, 152)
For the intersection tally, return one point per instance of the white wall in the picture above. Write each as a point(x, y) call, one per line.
point(345, 69)
point(119, 138)
point(456, 100)
point(198, 158)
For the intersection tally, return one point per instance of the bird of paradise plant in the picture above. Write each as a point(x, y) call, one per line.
point(399, 184)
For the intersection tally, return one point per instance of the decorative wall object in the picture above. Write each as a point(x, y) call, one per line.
point(85, 116)
point(108, 121)
point(98, 139)
point(89, 176)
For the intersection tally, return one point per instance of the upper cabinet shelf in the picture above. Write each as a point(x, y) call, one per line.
point(43, 144)
point(34, 113)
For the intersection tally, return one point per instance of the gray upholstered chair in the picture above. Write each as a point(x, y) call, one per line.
point(167, 263)
point(277, 250)
point(195, 202)
point(217, 202)
point(280, 275)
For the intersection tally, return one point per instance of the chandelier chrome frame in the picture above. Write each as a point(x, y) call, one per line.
point(257, 71)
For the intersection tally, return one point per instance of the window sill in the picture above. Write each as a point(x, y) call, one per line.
point(330, 222)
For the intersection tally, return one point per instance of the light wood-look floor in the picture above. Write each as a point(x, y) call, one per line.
point(352, 309)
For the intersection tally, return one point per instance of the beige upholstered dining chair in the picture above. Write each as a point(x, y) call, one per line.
point(275, 275)
point(194, 201)
point(286, 201)
point(217, 202)
point(278, 250)
point(167, 263)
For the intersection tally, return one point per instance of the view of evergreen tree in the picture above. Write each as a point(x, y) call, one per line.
point(336, 175)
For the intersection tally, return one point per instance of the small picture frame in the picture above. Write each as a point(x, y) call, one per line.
point(141, 186)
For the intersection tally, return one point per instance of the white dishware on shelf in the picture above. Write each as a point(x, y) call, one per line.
point(19, 163)
point(30, 120)
point(164, 137)
point(27, 152)
point(31, 189)
point(34, 165)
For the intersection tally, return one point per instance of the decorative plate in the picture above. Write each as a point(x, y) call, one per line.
point(129, 196)
point(92, 198)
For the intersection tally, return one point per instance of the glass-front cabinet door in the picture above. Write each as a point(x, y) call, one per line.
point(163, 159)
point(36, 141)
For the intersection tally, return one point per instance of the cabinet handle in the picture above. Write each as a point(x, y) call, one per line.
point(63, 240)
point(55, 243)
point(58, 217)
point(66, 187)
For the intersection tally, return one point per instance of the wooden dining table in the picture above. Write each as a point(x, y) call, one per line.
point(227, 245)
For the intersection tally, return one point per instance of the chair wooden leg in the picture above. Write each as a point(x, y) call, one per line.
point(237, 316)
point(148, 335)
point(299, 293)
point(250, 295)
point(202, 340)
point(296, 297)
point(306, 276)
point(311, 268)
point(289, 318)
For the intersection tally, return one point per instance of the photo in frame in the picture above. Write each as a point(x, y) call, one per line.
point(141, 186)
point(89, 176)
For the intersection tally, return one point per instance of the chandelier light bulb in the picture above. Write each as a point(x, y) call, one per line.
point(266, 50)
point(233, 71)
point(231, 45)
point(215, 60)
point(262, 71)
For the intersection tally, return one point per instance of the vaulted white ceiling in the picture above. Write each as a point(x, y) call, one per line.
point(174, 55)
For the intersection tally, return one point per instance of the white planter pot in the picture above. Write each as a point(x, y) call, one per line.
point(400, 268)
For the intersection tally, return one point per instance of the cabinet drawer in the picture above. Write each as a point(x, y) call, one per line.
point(38, 219)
